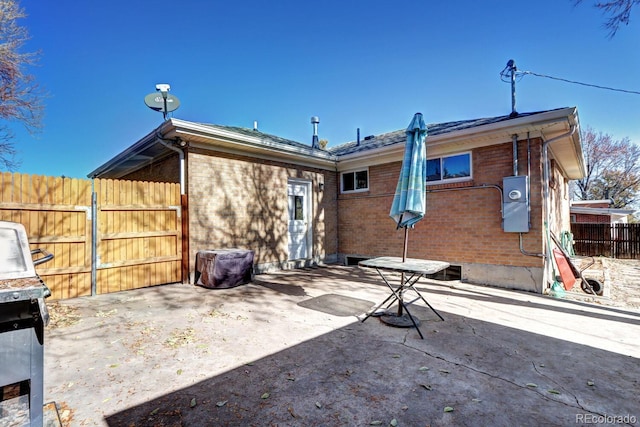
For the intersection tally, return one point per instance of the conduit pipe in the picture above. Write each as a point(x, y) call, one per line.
point(475, 187)
point(169, 145)
point(515, 154)
point(522, 250)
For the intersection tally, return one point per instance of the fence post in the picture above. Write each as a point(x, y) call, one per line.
point(94, 238)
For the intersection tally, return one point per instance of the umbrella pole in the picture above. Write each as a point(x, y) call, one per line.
point(404, 258)
point(406, 244)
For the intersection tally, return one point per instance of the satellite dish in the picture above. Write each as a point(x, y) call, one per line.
point(161, 100)
point(155, 101)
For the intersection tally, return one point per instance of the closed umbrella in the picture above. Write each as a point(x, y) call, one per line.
point(410, 199)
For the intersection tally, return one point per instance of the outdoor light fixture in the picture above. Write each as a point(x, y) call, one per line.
point(321, 186)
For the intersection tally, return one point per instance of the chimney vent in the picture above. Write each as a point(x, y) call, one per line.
point(314, 141)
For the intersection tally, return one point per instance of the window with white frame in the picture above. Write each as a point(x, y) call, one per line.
point(449, 168)
point(354, 181)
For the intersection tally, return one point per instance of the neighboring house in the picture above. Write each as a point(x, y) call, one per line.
point(598, 212)
point(297, 205)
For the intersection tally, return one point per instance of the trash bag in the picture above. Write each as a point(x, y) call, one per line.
point(557, 290)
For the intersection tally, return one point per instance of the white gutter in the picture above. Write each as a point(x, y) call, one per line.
point(258, 142)
point(601, 211)
point(514, 126)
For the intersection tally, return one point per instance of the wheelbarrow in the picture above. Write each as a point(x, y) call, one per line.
point(569, 273)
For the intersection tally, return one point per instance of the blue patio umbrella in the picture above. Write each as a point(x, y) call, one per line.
point(410, 199)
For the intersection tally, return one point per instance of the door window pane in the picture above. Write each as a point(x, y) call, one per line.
point(299, 208)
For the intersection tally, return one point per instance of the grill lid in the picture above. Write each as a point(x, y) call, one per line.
point(18, 278)
point(15, 255)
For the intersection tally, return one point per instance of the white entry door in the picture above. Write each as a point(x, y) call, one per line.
point(299, 224)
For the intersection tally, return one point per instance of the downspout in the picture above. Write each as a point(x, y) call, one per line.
point(338, 180)
point(180, 152)
point(184, 210)
point(545, 193)
point(529, 174)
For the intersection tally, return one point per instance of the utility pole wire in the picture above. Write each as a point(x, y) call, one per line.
point(578, 83)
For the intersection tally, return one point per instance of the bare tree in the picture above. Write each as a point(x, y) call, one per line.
point(613, 169)
point(20, 96)
point(618, 12)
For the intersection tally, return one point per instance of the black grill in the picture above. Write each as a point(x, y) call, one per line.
point(23, 316)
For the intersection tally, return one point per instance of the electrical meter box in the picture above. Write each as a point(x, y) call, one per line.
point(515, 204)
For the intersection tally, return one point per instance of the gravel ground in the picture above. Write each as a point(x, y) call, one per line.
point(620, 277)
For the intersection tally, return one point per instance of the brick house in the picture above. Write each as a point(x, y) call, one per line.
point(598, 212)
point(295, 204)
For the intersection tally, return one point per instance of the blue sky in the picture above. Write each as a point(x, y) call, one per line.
point(355, 64)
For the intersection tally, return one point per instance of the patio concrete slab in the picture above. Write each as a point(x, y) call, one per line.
point(289, 349)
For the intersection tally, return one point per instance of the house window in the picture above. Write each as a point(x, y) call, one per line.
point(449, 168)
point(355, 181)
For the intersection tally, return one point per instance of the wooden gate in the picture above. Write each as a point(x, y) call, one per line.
point(138, 234)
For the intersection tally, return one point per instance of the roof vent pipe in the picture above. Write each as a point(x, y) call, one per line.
point(255, 125)
point(314, 141)
point(358, 136)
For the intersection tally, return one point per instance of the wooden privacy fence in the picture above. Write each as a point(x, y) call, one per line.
point(610, 240)
point(136, 241)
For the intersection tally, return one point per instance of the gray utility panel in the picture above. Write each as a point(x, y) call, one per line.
point(515, 208)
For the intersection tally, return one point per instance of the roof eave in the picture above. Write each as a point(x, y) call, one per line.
point(125, 156)
point(208, 137)
point(601, 211)
point(554, 121)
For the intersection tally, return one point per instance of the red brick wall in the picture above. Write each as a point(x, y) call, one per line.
point(592, 219)
point(460, 226)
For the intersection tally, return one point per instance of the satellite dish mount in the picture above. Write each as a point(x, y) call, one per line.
point(164, 101)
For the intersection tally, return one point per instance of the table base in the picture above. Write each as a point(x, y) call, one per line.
point(402, 321)
point(410, 274)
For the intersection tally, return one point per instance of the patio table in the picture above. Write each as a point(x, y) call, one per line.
point(411, 270)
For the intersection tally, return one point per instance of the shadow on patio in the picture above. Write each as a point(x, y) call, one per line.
point(263, 355)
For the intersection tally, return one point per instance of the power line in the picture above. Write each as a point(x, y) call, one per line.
point(523, 73)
